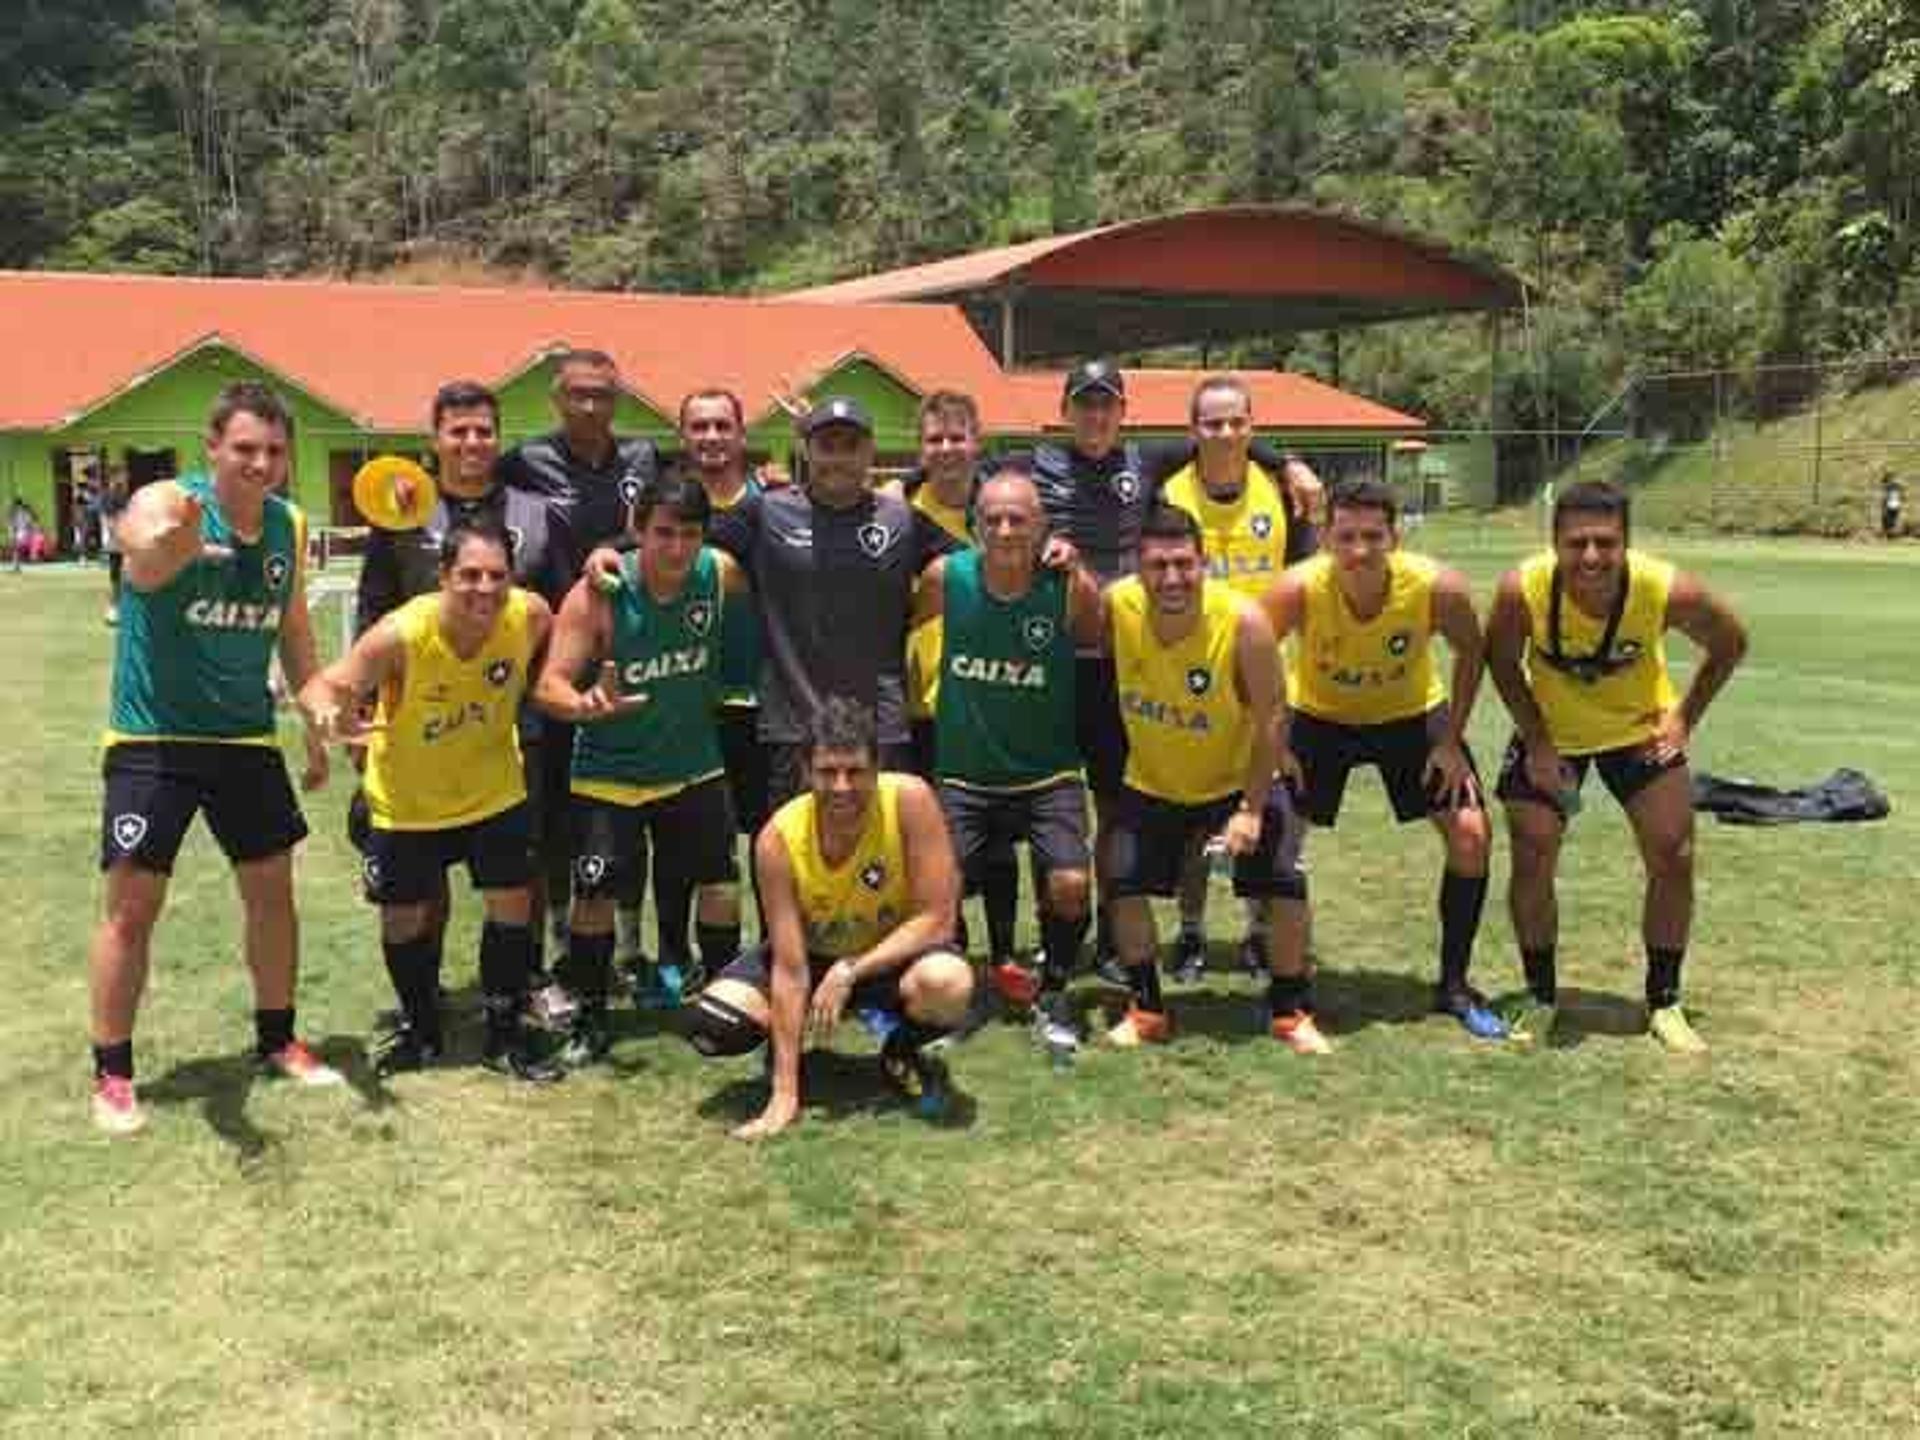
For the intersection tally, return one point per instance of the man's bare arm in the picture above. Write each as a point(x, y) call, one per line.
point(581, 635)
point(788, 980)
point(929, 593)
point(1256, 657)
point(934, 886)
point(1709, 622)
point(1454, 618)
point(1508, 625)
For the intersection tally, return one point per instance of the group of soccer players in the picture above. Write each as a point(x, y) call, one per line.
point(586, 652)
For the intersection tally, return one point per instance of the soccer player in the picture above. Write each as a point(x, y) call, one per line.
point(1365, 690)
point(1095, 490)
point(1576, 646)
point(942, 489)
point(592, 476)
point(399, 565)
point(647, 762)
point(1250, 536)
point(444, 786)
point(215, 583)
point(860, 888)
point(1004, 750)
point(1197, 671)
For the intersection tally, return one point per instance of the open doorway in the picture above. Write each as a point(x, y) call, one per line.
point(146, 466)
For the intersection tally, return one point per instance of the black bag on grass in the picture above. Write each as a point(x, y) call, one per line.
point(1843, 795)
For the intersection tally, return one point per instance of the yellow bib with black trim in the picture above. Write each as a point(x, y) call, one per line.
point(849, 908)
point(1366, 672)
point(1590, 708)
point(1246, 537)
point(449, 752)
point(1189, 734)
point(924, 641)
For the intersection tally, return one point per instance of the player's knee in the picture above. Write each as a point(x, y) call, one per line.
point(1670, 856)
point(401, 923)
point(938, 988)
point(591, 916)
point(510, 906)
point(1067, 894)
point(1469, 842)
point(1534, 840)
point(718, 904)
point(717, 1027)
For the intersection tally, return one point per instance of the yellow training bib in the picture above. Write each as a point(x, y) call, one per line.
point(1246, 537)
point(1189, 734)
point(1366, 672)
point(1593, 702)
point(848, 908)
point(449, 754)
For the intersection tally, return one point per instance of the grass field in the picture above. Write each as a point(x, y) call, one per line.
point(1414, 1237)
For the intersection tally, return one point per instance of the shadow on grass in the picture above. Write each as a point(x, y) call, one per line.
point(833, 1086)
point(1594, 1014)
point(222, 1085)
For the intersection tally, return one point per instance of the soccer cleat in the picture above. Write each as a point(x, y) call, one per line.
point(1107, 966)
point(513, 1055)
point(1298, 1032)
point(917, 1077)
point(551, 1006)
point(1141, 1027)
point(1189, 959)
point(406, 1049)
point(587, 1042)
point(1531, 1021)
point(294, 1061)
point(660, 987)
point(1470, 1008)
point(1253, 955)
point(1055, 1032)
point(1670, 1026)
point(1016, 985)
point(115, 1107)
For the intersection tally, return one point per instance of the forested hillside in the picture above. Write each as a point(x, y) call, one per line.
point(1703, 184)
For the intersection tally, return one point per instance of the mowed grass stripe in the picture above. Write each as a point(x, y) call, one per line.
point(1418, 1237)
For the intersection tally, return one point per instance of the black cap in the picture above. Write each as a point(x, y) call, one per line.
point(1090, 375)
point(838, 410)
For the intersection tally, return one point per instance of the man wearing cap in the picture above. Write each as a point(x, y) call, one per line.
point(832, 569)
point(592, 477)
point(1095, 489)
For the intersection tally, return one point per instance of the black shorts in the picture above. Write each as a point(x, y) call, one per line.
point(1625, 772)
point(746, 761)
point(1052, 820)
point(788, 774)
point(1097, 727)
point(408, 867)
point(1328, 750)
point(692, 832)
point(154, 788)
point(754, 966)
point(1153, 838)
point(923, 749)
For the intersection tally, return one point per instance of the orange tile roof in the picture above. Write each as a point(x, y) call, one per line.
point(1160, 400)
point(70, 342)
point(377, 352)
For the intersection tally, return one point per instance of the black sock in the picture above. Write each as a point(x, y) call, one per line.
point(1461, 899)
point(1663, 976)
point(674, 901)
point(116, 1059)
point(1289, 994)
point(960, 927)
point(1103, 933)
point(414, 968)
point(719, 944)
point(272, 1030)
point(1542, 978)
point(505, 952)
point(1060, 942)
point(911, 1034)
point(1144, 982)
point(1000, 897)
point(587, 970)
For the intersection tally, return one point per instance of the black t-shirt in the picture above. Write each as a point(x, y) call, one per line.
point(834, 590)
point(590, 501)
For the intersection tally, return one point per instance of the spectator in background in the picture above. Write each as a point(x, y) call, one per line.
point(23, 525)
point(1893, 500)
point(113, 503)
